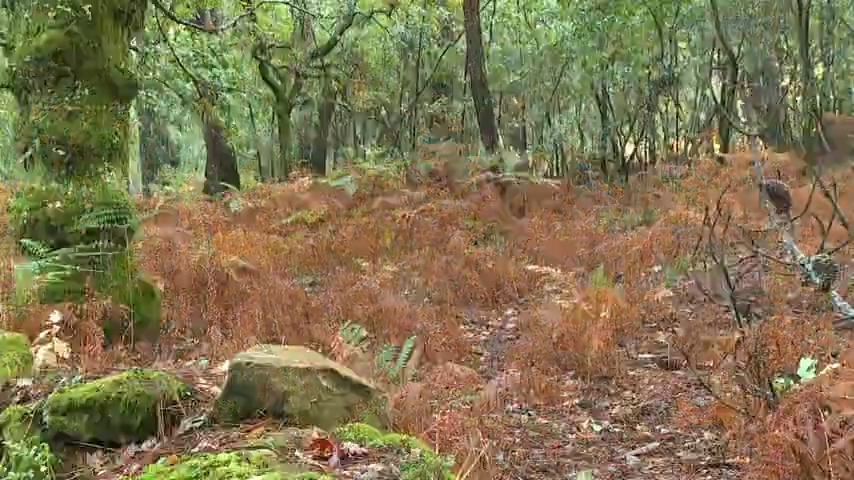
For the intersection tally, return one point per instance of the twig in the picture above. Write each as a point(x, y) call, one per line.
point(806, 263)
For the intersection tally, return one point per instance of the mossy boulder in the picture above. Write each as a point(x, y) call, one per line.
point(299, 385)
point(16, 359)
point(115, 410)
point(257, 465)
point(417, 460)
point(142, 297)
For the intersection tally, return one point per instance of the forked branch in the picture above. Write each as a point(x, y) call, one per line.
point(819, 269)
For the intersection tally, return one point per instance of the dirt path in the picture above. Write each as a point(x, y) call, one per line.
point(624, 428)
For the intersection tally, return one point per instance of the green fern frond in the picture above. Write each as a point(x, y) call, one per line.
point(404, 356)
point(107, 218)
point(386, 356)
point(33, 248)
point(353, 334)
point(393, 359)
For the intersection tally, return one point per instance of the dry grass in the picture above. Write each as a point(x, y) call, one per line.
point(404, 263)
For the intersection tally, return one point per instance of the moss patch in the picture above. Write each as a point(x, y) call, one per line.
point(16, 359)
point(119, 409)
point(227, 466)
point(420, 462)
point(76, 234)
point(77, 212)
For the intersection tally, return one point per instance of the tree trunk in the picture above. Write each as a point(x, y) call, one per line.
point(320, 142)
point(74, 89)
point(285, 130)
point(728, 89)
point(157, 148)
point(72, 84)
point(221, 172)
point(478, 82)
point(811, 117)
point(221, 163)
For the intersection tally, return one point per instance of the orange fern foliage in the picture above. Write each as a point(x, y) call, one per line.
point(580, 335)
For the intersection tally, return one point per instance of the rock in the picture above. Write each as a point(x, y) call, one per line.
point(15, 356)
point(119, 409)
point(299, 385)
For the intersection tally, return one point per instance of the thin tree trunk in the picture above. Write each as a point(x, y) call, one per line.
point(478, 81)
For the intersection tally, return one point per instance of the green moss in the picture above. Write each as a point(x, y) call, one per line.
point(309, 217)
point(24, 454)
point(71, 79)
point(122, 408)
point(76, 235)
point(87, 211)
point(420, 461)
point(16, 359)
point(228, 466)
point(143, 298)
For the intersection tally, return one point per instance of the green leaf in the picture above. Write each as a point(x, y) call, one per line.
point(584, 475)
point(807, 369)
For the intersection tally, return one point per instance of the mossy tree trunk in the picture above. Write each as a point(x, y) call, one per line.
point(320, 141)
point(71, 76)
point(71, 80)
point(221, 169)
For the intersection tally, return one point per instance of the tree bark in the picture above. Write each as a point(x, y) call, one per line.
point(221, 162)
point(72, 84)
point(320, 142)
point(221, 170)
point(478, 82)
point(157, 148)
point(74, 87)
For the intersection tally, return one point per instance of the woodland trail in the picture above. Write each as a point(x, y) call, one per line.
point(620, 428)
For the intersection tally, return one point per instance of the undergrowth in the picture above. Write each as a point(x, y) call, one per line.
point(384, 280)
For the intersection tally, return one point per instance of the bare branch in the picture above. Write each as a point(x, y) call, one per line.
point(819, 268)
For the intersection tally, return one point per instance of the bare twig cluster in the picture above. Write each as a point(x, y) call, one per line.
point(734, 280)
point(821, 268)
point(729, 282)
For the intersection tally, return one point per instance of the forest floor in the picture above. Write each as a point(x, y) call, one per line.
point(574, 339)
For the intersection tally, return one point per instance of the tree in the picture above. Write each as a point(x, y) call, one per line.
point(287, 82)
point(478, 82)
point(74, 89)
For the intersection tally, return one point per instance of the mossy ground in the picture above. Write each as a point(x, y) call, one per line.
point(15, 356)
point(420, 461)
point(126, 407)
point(227, 466)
